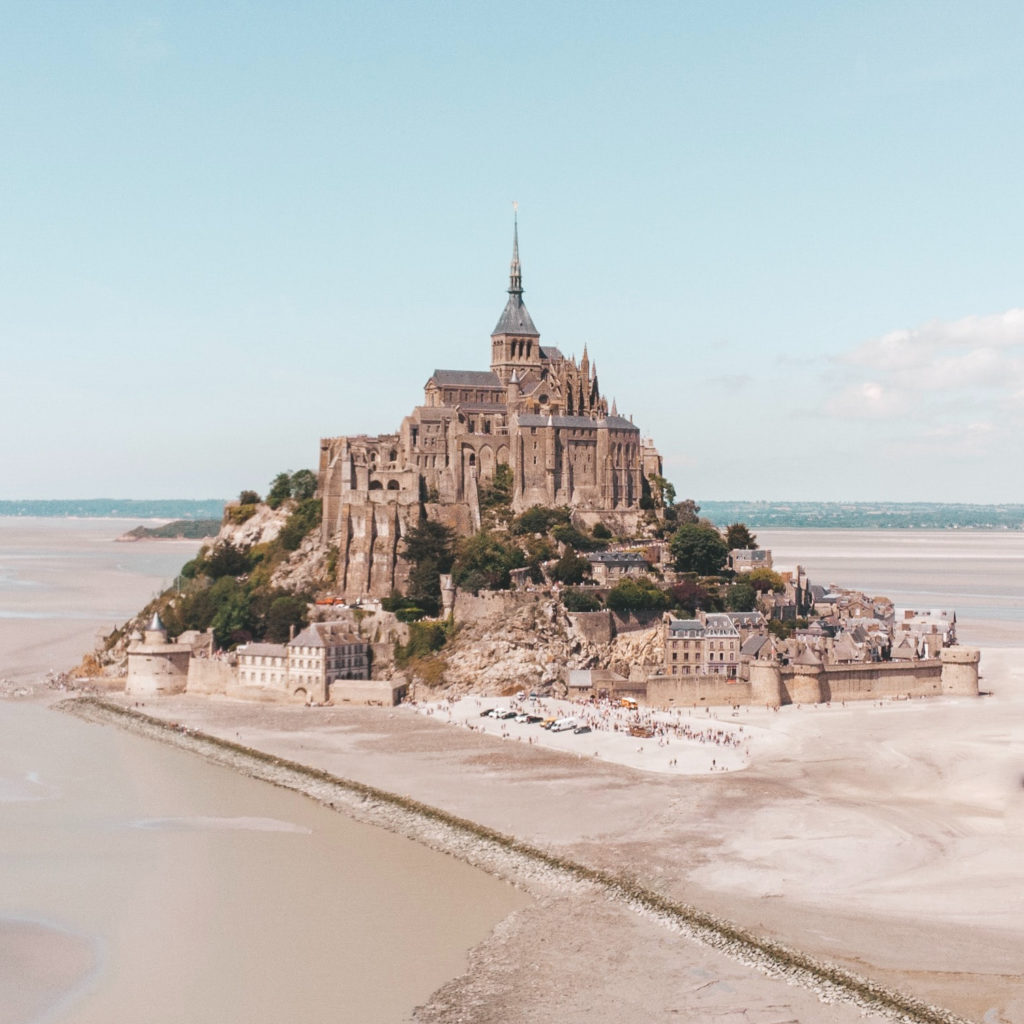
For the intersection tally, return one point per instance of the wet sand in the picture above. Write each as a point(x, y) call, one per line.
point(142, 883)
point(885, 838)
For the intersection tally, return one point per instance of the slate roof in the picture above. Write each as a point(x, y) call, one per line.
point(466, 379)
point(617, 557)
point(753, 644)
point(273, 650)
point(309, 637)
point(620, 423)
point(515, 319)
point(686, 627)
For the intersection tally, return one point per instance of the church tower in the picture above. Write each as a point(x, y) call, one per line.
point(515, 342)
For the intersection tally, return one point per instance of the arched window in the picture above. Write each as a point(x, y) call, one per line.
point(392, 485)
point(376, 485)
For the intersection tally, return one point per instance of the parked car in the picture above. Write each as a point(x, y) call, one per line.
point(581, 729)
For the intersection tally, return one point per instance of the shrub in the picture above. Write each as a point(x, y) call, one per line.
point(637, 595)
point(238, 514)
point(576, 600)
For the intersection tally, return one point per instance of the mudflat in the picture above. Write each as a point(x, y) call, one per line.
point(882, 837)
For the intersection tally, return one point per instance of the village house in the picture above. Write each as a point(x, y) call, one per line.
point(608, 567)
point(308, 665)
point(747, 559)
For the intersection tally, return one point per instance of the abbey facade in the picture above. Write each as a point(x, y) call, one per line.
point(535, 411)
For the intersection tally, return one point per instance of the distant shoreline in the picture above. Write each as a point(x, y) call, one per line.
point(766, 515)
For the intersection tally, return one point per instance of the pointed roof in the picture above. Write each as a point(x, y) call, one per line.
point(155, 624)
point(515, 319)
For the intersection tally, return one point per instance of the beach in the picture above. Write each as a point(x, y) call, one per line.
point(883, 838)
point(142, 883)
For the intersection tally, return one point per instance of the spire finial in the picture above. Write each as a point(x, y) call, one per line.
point(515, 277)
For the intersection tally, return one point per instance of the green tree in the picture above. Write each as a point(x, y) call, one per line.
point(663, 494)
point(601, 532)
point(303, 484)
point(637, 595)
point(285, 611)
point(737, 536)
point(538, 519)
point(698, 548)
point(231, 622)
point(226, 560)
point(741, 597)
point(280, 490)
point(763, 580)
point(305, 517)
point(569, 535)
point(248, 498)
point(570, 568)
point(430, 548)
point(576, 600)
point(484, 561)
point(685, 511)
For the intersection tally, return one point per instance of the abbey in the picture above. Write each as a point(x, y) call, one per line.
point(535, 411)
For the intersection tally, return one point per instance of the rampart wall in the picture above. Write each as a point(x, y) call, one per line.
point(955, 672)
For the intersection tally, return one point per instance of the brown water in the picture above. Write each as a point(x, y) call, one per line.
point(139, 883)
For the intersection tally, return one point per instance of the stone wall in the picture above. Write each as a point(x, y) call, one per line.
point(954, 673)
point(207, 676)
point(689, 691)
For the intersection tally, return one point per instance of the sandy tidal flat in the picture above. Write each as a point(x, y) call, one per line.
point(883, 837)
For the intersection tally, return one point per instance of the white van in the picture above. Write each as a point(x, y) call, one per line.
point(563, 724)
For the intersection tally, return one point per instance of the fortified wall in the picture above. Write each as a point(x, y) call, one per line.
point(954, 672)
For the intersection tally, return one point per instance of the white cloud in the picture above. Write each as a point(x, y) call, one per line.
point(938, 383)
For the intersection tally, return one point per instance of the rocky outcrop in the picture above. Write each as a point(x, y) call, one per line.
point(261, 527)
point(532, 645)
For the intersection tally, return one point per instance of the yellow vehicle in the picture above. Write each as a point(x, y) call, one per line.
point(628, 703)
point(548, 722)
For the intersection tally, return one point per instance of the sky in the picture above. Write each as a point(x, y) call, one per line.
point(790, 234)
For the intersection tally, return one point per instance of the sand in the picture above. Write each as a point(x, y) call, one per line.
point(885, 838)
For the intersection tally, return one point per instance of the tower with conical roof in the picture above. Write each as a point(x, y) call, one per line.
point(515, 341)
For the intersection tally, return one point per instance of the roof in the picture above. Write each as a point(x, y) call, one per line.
point(309, 637)
point(576, 422)
point(719, 624)
point(466, 379)
point(274, 650)
point(155, 624)
point(692, 627)
point(515, 319)
point(550, 352)
point(753, 644)
point(617, 557)
point(619, 423)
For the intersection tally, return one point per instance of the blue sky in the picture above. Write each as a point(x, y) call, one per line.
point(790, 234)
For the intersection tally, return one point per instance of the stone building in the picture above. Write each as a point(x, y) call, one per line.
point(156, 665)
point(308, 666)
point(709, 645)
point(539, 413)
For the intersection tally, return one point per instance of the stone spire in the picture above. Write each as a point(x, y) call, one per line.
point(515, 319)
